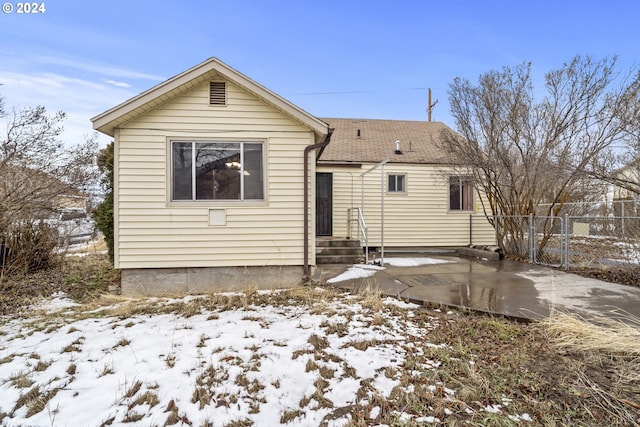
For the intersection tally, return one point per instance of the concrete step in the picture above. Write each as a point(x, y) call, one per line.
point(332, 242)
point(412, 252)
point(331, 250)
point(337, 250)
point(339, 259)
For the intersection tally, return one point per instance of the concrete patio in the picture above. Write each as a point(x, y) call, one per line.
point(507, 288)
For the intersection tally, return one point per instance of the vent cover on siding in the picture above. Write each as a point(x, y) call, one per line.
point(217, 93)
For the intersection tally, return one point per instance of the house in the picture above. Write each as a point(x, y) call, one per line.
point(209, 184)
point(427, 203)
point(626, 190)
point(35, 197)
point(24, 188)
point(215, 184)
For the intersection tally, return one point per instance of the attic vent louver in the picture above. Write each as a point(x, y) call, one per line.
point(217, 93)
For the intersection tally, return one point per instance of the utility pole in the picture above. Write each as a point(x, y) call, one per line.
point(430, 105)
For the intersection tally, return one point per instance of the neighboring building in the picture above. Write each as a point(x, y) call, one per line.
point(629, 187)
point(626, 194)
point(24, 188)
point(210, 172)
point(28, 194)
point(427, 203)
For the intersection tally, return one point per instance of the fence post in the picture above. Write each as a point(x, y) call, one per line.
point(567, 241)
point(532, 243)
point(622, 215)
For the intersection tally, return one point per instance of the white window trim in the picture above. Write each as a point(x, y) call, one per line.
point(404, 191)
point(473, 194)
point(212, 202)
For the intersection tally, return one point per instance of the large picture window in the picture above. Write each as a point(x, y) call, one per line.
point(460, 193)
point(204, 170)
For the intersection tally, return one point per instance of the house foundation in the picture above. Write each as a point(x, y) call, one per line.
point(179, 281)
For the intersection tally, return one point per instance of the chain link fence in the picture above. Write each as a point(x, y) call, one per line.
point(619, 207)
point(537, 239)
point(603, 242)
point(547, 243)
point(571, 242)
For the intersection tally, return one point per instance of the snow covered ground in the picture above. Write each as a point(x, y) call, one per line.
point(302, 357)
point(267, 364)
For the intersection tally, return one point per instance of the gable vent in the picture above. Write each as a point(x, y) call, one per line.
point(217, 93)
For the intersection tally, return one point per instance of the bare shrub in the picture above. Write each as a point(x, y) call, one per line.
point(39, 175)
point(27, 247)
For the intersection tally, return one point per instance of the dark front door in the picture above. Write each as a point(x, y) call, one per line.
point(324, 204)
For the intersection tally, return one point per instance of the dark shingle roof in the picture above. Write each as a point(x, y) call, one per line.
point(418, 141)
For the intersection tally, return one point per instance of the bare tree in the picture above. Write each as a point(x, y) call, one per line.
point(526, 153)
point(37, 173)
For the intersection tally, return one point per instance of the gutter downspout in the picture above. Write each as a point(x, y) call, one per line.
point(307, 150)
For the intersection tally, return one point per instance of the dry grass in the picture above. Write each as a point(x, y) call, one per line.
point(147, 398)
point(131, 391)
point(616, 337)
point(21, 380)
point(35, 400)
point(612, 344)
point(6, 359)
point(74, 346)
point(564, 371)
point(94, 247)
point(83, 279)
point(371, 296)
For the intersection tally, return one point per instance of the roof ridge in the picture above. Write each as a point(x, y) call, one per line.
point(377, 120)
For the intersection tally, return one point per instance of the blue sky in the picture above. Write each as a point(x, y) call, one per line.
point(333, 58)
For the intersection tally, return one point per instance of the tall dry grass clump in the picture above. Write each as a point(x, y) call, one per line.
point(371, 296)
point(605, 340)
point(619, 336)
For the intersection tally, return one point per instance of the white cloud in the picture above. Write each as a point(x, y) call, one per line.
point(98, 68)
point(79, 87)
point(117, 84)
point(80, 98)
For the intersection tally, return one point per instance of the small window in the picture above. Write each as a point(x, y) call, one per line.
point(217, 93)
point(396, 184)
point(460, 193)
point(217, 170)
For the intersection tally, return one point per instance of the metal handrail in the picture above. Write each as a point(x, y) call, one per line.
point(381, 166)
point(362, 229)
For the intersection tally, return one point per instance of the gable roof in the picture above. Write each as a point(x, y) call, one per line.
point(418, 141)
point(108, 121)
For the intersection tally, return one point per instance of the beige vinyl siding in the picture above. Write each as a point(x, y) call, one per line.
point(629, 173)
point(420, 217)
point(154, 232)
